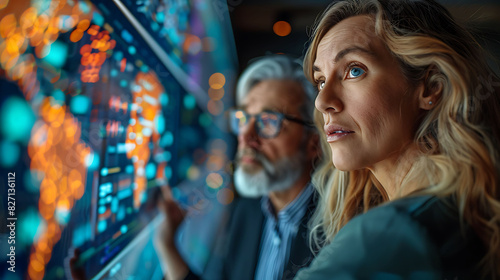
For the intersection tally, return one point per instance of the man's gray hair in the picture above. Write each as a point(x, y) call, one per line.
point(277, 67)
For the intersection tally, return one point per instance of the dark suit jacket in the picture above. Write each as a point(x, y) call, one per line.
point(242, 242)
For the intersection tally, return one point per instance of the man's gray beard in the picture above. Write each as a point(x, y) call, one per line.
point(272, 177)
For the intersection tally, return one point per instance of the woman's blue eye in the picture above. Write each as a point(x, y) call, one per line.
point(355, 72)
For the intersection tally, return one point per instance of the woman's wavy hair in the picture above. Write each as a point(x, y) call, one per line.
point(457, 140)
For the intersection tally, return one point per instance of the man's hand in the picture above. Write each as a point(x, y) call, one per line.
point(76, 272)
point(164, 240)
point(174, 216)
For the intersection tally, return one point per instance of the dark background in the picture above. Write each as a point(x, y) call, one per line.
point(252, 22)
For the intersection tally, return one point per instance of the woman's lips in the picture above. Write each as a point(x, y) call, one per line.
point(332, 137)
point(335, 132)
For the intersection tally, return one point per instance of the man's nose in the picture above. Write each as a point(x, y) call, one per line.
point(248, 135)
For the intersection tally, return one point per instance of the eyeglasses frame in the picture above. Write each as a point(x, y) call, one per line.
point(281, 117)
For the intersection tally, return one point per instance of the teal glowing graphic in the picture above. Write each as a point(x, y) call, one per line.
point(57, 55)
point(189, 101)
point(9, 153)
point(80, 104)
point(17, 119)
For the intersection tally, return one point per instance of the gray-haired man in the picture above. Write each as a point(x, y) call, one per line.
point(277, 144)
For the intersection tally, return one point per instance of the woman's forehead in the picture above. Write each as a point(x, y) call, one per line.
point(354, 33)
point(359, 30)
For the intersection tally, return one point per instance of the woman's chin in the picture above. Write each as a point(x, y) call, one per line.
point(343, 166)
point(343, 162)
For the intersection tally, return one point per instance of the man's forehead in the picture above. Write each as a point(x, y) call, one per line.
point(274, 95)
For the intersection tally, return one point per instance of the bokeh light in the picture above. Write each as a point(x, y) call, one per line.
point(215, 162)
point(10, 152)
point(214, 180)
point(216, 94)
point(28, 229)
point(57, 54)
point(7, 25)
point(215, 107)
point(3, 3)
point(192, 44)
point(225, 196)
point(193, 173)
point(80, 104)
point(189, 101)
point(17, 119)
point(217, 80)
point(282, 28)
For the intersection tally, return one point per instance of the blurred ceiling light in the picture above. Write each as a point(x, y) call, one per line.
point(282, 28)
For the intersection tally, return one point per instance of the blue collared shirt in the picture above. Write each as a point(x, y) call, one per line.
point(278, 233)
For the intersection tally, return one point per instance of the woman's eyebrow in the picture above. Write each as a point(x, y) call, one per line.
point(343, 53)
point(348, 50)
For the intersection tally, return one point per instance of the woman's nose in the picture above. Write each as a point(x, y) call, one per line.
point(328, 99)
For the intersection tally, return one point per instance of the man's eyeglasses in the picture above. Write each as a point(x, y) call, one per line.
point(267, 123)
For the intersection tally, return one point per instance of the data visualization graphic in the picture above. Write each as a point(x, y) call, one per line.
point(102, 103)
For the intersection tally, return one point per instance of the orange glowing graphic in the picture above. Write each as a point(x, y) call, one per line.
point(56, 152)
point(116, 104)
point(141, 131)
point(55, 148)
point(36, 29)
point(91, 60)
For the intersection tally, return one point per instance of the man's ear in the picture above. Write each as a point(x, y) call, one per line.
point(430, 89)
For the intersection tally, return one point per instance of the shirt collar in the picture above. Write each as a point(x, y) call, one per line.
point(294, 211)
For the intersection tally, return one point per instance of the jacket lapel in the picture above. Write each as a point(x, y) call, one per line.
point(246, 235)
point(300, 253)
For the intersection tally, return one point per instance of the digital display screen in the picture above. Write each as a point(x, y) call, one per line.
point(167, 21)
point(94, 121)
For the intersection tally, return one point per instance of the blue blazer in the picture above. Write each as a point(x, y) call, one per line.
point(410, 238)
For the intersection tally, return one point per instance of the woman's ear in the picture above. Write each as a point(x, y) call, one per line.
point(430, 89)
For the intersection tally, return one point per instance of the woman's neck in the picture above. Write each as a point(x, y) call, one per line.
point(392, 171)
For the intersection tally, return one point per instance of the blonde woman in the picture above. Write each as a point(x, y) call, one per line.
point(411, 114)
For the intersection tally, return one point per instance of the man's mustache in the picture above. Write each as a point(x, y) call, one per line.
point(249, 152)
point(257, 156)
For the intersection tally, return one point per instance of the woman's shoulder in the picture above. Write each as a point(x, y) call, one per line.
point(412, 238)
point(384, 242)
point(437, 219)
point(425, 209)
point(406, 214)
point(433, 219)
point(417, 222)
point(409, 220)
